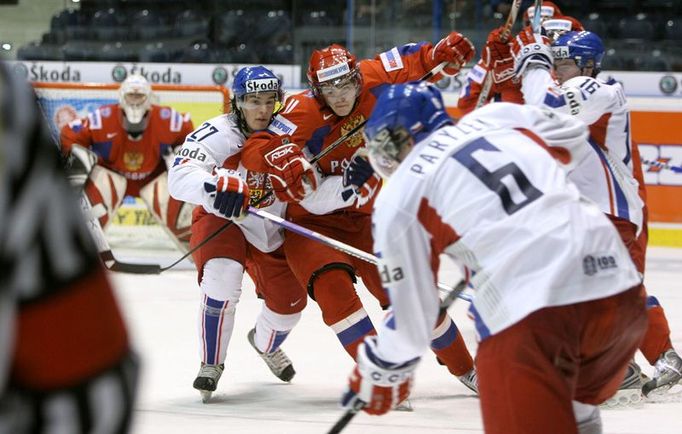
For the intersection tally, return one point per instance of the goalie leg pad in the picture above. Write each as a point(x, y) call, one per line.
point(105, 189)
point(173, 215)
point(221, 289)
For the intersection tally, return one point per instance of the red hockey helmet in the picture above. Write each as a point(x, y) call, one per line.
point(333, 66)
point(548, 10)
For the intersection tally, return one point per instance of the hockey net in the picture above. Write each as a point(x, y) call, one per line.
point(133, 227)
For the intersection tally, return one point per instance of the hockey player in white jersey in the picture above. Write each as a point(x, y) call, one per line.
point(611, 175)
point(558, 305)
point(206, 172)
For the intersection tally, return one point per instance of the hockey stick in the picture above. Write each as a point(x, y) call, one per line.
point(358, 405)
point(105, 253)
point(436, 70)
point(330, 242)
point(504, 37)
point(666, 166)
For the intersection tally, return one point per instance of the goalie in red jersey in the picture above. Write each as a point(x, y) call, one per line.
point(133, 142)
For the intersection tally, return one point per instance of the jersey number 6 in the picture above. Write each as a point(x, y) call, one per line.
point(501, 180)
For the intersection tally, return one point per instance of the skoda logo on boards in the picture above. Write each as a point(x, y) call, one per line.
point(220, 75)
point(119, 73)
point(667, 84)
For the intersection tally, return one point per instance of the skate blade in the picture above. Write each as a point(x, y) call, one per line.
point(406, 405)
point(205, 396)
point(624, 398)
point(668, 393)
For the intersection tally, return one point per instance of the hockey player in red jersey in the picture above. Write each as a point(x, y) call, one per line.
point(496, 59)
point(134, 140)
point(613, 177)
point(558, 305)
point(65, 359)
point(341, 96)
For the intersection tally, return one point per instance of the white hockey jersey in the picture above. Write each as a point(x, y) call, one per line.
point(606, 175)
point(495, 201)
point(207, 148)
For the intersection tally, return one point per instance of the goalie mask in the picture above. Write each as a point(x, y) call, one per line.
point(585, 48)
point(254, 80)
point(404, 115)
point(135, 99)
point(333, 71)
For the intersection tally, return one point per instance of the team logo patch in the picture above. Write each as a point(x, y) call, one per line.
point(357, 139)
point(133, 160)
point(259, 185)
point(391, 60)
point(333, 72)
point(165, 113)
point(105, 112)
point(282, 126)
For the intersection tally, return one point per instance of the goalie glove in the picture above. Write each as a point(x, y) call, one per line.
point(292, 176)
point(361, 178)
point(377, 386)
point(531, 50)
point(455, 49)
point(232, 195)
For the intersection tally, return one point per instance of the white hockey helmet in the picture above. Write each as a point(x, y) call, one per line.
point(135, 98)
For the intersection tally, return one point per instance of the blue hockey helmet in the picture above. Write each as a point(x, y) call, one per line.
point(585, 48)
point(402, 112)
point(254, 80)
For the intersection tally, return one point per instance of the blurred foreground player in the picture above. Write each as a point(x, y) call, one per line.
point(558, 306)
point(65, 360)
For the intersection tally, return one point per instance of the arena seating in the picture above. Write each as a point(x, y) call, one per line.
point(286, 31)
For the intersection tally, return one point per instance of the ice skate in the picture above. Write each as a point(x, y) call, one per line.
point(630, 391)
point(207, 380)
point(667, 374)
point(277, 361)
point(470, 380)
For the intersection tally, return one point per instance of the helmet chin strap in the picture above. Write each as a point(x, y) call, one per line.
point(135, 130)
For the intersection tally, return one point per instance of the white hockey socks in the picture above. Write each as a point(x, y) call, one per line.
point(221, 289)
point(273, 328)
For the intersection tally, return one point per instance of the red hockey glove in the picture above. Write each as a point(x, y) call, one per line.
point(361, 177)
point(292, 176)
point(375, 385)
point(455, 49)
point(531, 50)
point(498, 59)
point(231, 193)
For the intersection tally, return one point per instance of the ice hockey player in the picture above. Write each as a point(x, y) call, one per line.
point(611, 176)
point(208, 172)
point(496, 59)
point(341, 96)
point(133, 141)
point(66, 365)
point(558, 305)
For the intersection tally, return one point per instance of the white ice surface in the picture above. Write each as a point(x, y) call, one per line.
point(161, 313)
